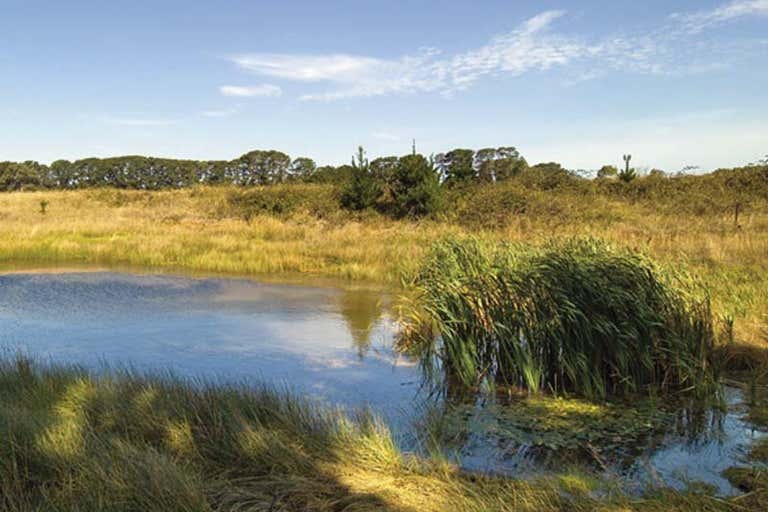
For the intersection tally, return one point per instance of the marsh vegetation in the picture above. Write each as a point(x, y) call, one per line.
point(579, 299)
point(126, 441)
point(576, 316)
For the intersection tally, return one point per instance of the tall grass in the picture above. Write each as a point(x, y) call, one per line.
point(574, 316)
point(124, 442)
point(299, 229)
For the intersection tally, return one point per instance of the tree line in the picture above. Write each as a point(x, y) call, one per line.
point(260, 167)
point(406, 185)
point(149, 173)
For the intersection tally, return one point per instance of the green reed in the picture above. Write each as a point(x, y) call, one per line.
point(574, 316)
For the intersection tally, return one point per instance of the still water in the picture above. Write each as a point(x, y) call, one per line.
point(332, 344)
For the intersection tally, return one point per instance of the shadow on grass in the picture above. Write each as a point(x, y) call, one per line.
point(130, 442)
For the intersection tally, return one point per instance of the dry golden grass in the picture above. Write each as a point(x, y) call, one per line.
point(126, 442)
point(196, 230)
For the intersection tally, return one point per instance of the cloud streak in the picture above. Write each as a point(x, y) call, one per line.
point(702, 20)
point(534, 46)
point(252, 91)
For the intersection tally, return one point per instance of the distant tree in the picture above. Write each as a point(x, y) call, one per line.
point(416, 186)
point(498, 164)
point(18, 176)
point(551, 168)
point(457, 166)
point(301, 168)
point(657, 173)
point(261, 168)
point(484, 163)
point(627, 174)
point(59, 175)
point(608, 171)
point(363, 190)
point(383, 168)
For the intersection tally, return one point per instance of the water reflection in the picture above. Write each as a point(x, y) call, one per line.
point(361, 309)
point(336, 345)
point(331, 343)
point(639, 443)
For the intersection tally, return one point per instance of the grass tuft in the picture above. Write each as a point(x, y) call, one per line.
point(574, 316)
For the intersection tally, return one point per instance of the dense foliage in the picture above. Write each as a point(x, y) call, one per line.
point(148, 173)
point(415, 187)
point(572, 317)
point(363, 189)
point(486, 187)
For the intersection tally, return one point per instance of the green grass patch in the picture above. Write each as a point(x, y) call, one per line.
point(574, 316)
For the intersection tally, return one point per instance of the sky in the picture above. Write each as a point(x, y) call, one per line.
point(674, 83)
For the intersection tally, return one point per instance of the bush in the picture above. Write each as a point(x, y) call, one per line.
point(280, 200)
point(571, 317)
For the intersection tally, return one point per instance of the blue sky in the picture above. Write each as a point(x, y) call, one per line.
point(675, 83)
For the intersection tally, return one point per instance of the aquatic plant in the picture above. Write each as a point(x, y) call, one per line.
point(296, 228)
point(575, 316)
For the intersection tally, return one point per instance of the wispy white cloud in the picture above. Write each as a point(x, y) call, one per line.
point(701, 20)
point(307, 68)
point(524, 49)
point(251, 91)
point(533, 46)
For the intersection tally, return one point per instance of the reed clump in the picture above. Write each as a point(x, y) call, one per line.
point(572, 316)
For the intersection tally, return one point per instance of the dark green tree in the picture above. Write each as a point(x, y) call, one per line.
point(498, 164)
point(301, 169)
point(261, 168)
point(363, 190)
point(416, 187)
point(457, 166)
point(18, 176)
point(627, 174)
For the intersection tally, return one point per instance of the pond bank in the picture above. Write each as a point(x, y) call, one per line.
point(335, 345)
point(127, 442)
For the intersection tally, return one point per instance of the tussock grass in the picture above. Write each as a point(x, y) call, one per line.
point(70, 440)
point(299, 229)
point(574, 316)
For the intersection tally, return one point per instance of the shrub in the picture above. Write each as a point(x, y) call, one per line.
point(279, 200)
point(571, 317)
point(608, 171)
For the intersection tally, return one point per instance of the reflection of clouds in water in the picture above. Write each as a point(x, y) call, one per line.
point(330, 341)
point(331, 363)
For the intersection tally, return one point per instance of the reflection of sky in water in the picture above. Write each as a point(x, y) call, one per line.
point(678, 459)
point(220, 329)
point(331, 343)
point(697, 447)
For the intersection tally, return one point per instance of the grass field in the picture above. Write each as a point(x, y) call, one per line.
point(215, 230)
point(70, 440)
point(125, 442)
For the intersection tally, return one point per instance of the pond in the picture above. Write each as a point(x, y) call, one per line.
point(335, 344)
